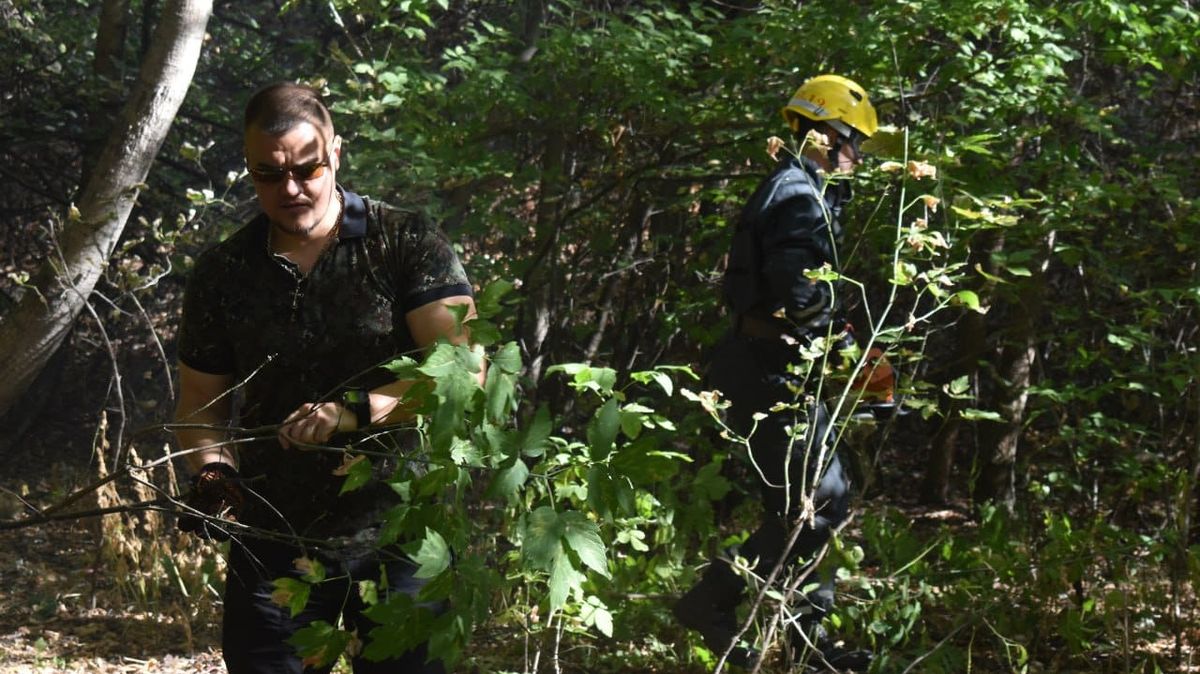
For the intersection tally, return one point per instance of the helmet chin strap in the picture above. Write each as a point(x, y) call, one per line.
point(835, 149)
point(842, 133)
point(842, 191)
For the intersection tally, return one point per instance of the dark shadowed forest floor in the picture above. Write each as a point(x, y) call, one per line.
point(64, 605)
point(58, 614)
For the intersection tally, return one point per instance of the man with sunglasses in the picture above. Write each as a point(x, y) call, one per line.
point(293, 315)
point(787, 228)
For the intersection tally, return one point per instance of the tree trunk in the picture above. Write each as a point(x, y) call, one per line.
point(37, 326)
point(533, 319)
point(635, 223)
point(108, 66)
point(999, 441)
point(971, 340)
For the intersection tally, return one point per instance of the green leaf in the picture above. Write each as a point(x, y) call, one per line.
point(487, 304)
point(541, 538)
point(632, 423)
point(538, 433)
point(709, 484)
point(508, 480)
point(903, 273)
point(320, 643)
point(664, 382)
point(644, 464)
point(508, 358)
point(978, 143)
point(585, 377)
point(433, 556)
point(401, 625)
point(357, 471)
point(980, 415)
point(824, 273)
point(496, 444)
point(1124, 343)
point(394, 522)
point(483, 331)
point(607, 494)
point(602, 495)
point(501, 395)
point(605, 378)
point(454, 369)
point(959, 388)
point(501, 383)
point(313, 570)
point(564, 579)
point(291, 593)
point(602, 431)
point(595, 614)
point(463, 452)
point(887, 142)
point(583, 536)
point(658, 377)
point(969, 299)
point(449, 359)
point(368, 591)
point(448, 635)
point(404, 368)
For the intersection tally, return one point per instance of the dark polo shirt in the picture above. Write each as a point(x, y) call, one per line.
point(288, 339)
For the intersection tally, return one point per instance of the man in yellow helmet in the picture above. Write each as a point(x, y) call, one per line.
point(788, 226)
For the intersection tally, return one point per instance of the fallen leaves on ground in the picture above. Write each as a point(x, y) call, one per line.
point(58, 613)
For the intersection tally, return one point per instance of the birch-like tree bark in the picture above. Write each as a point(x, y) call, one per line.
point(37, 326)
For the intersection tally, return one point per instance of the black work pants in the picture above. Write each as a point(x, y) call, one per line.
point(752, 373)
point(255, 629)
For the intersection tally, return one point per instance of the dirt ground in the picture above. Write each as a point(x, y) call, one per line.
point(63, 606)
point(57, 614)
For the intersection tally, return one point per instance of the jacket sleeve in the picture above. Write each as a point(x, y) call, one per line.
point(790, 247)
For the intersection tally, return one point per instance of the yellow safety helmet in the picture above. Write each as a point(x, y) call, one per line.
point(833, 99)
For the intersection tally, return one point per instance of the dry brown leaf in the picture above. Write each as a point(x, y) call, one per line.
point(348, 462)
point(774, 145)
point(920, 169)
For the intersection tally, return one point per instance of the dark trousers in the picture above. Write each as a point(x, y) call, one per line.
point(790, 464)
point(255, 630)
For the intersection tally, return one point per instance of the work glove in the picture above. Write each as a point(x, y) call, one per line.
point(877, 380)
point(217, 493)
point(876, 386)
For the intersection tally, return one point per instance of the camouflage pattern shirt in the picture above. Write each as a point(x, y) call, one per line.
point(287, 339)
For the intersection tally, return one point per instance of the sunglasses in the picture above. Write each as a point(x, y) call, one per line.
point(276, 174)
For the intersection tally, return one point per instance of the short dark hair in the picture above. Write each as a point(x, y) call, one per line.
point(276, 108)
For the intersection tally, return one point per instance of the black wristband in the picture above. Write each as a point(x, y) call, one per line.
point(357, 401)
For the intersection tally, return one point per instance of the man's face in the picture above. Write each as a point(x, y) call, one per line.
point(848, 157)
point(296, 205)
point(820, 140)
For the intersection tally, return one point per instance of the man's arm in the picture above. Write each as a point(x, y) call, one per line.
point(427, 324)
point(790, 247)
point(315, 423)
point(196, 391)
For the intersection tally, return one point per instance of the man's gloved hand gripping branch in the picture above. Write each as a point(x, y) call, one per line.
point(216, 494)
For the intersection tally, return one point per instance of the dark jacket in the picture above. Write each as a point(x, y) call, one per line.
point(788, 226)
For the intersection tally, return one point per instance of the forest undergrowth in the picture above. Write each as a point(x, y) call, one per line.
point(81, 596)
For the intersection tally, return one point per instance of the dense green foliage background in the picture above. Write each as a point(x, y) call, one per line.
point(590, 158)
